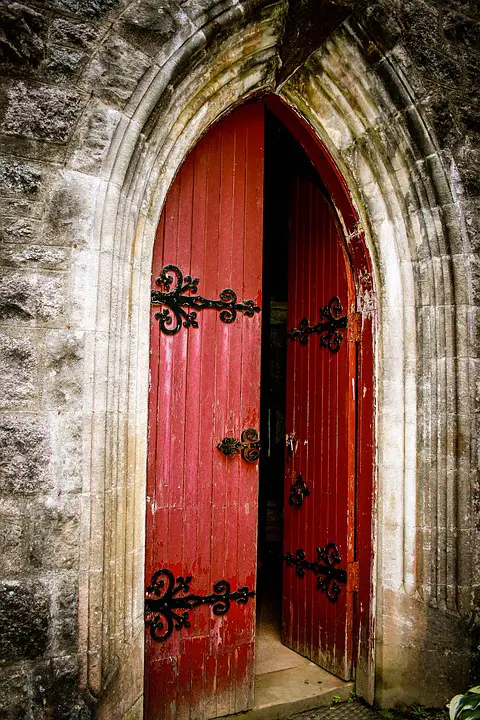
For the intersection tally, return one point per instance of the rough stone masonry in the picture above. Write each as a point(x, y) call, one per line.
point(75, 82)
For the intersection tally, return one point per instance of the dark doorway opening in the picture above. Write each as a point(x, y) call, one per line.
point(284, 158)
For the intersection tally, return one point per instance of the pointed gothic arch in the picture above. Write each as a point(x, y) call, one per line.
point(407, 200)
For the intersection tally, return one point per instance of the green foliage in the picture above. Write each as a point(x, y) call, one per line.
point(466, 707)
point(336, 699)
point(387, 714)
point(420, 712)
point(352, 697)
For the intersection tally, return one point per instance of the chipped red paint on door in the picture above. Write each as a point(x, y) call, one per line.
point(318, 578)
point(201, 521)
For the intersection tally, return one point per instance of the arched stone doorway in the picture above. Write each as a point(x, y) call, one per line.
point(201, 507)
point(406, 204)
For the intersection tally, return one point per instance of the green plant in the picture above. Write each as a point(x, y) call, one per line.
point(419, 712)
point(466, 707)
point(336, 699)
point(387, 714)
point(352, 697)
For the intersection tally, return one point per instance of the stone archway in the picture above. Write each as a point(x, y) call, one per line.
point(407, 202)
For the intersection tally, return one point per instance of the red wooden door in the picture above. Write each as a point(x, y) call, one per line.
point(320, 423)
point(204, 386)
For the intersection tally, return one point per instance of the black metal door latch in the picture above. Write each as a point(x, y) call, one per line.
point(248, 445)
point(298, 492)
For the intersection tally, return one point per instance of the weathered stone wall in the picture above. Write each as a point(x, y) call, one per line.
point(100, 101)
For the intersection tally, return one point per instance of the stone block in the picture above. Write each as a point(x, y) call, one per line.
point(73, 33)
point(54, 535)
point(24, 33)
point(115, 71)
point(13, 534)
point(14, 695)
point(28, 297)
point(93, 137)
point(40, 111)
point(66, 613)
point(63, 64)
point(54, 687)
point(38, 150)
point(63, 351)
point(416, 664)
point(24, 620)
point(381, 24)
point(34, 256)
point(67, 463)
point(149, 24)
point(18, 361)
point(20, 207)
point(69, 219)
point(467, 157)
point(87, 9)
point(19, 178)
point(19, 230)
point(475, 278)
point(25, 450)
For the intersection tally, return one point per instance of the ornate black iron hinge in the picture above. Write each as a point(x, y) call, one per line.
point(298, 492)
point(163, 606)
point(248, 445)
point(173, 315)
point(328, 576)
point(331, 321)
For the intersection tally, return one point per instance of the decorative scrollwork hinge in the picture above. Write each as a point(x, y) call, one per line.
point(298, 492)
point(328, 576)
point(331, 321)
point(248, 445)
point(173, 315)
point(163, 606)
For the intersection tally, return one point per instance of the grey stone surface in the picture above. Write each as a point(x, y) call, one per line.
point(93, 137)
point(54, 691)
point(149, 25)
point(34, 256)
point(14, 701)
point(93, 9)
point(40, 111)
point(63, 64)
point(63, 353)
point(24, 620)
point(68, 219)
point(18, 363)
point(19, 178)
point(19, 230)
point(73, 33)
point(115, 71)
point(66, 622)
point(27, 297)
point(25, 453)
point(14, 534)
point(22, 35)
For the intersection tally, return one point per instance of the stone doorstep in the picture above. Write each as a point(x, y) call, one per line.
point(286, 692)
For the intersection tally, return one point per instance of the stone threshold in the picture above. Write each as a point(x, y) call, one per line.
point(283, 693)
